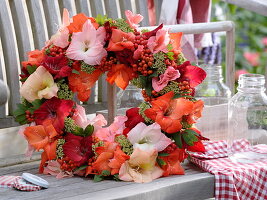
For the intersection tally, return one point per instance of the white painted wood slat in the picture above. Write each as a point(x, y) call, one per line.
point(70, 5)
point(11, 55)
point(141, 8)
point(22, 27)
point(97, 7)
point(52, 14)
point(3, 108)
point(38, 22)
point(83, 6)
point(111, 8)
point(125, 5)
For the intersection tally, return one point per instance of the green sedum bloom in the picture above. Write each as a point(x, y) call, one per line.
point(142, 107)
point(87, 68)
point(59, 151)
point(125, 144)
point(122, 25)
point(98, 144)
point(172, 86)
point(70, 125)
point(64, 91)
point(159, 62)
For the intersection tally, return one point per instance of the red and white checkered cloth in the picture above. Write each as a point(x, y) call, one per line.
point(17, 182)
point(234, 181)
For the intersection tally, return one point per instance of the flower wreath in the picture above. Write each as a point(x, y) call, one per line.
point(150, 141)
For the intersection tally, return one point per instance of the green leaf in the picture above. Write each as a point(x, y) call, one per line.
point(37, 103)
point(18, 112)
point(116, 177)
point(88, 130)
point(22, 107)
point(163, 154)
point(81, 167)
point(78, 131)
point(178, 139)
point(191, 132)
point(31, 68)
point(105, 173)
point(189, 138)
point(169, 47)
point(143, 81)
point(74, 71)
point(161, 162)
point(98, 178)
point(155, 74)
point(20, 118)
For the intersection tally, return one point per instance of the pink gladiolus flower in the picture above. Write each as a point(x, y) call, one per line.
point(264, 41)
point(252, 58)
point(88, 44)
point(61, 38)
point(132, 19)
point(159, 42)
point(116, 128)
point(169, 75)
point(143, 136)
point(81, 119)
point(138, 52)
point(40, 84)
point(239, 72)
point(141, 167)
point(53, 168)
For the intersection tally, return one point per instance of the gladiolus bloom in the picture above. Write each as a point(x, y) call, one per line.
point(110, 157)
point(141, 168)
point(78, 21)
point(88, 44)
point(121, 75)
point(168, 113)
point(142, 134)
point(159, 42)
point(120, 40)
point(132, 19)
point(39, 84)
point(35, 58)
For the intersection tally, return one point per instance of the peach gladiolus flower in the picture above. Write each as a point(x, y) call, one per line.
point(110, 157)
point(159, 42)
point(88, 44)
point(252, 58)
point(53, 168)
point(169, 75)
point(132, 19)
point(121, 74)
point(143, 136)
point(61, 38)
point(141, 168)
point(40, 84)
point(168, 112)
point(120, 40)
point(78, 21)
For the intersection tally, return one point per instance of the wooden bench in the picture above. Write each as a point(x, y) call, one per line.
point(24, 26)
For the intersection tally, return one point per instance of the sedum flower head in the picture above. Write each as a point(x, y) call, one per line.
point(172, 86)
point(122, 25)
point(70, 125)
point(98, 144)
point(64, 91)
point(125, 144)
point(142, 107)
point(181, 59)
point(87, 68)
point(159, 63)
point(59, 151)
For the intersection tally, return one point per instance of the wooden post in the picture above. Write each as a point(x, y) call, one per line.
point(112, 103)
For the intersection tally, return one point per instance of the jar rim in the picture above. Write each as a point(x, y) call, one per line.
point(251, 76)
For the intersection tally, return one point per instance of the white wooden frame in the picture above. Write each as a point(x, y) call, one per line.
point(197, 28)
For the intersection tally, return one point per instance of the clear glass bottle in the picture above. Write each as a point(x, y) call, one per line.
point(248, 117)
point(212, 90)
point(215, 94)
point(130, 97)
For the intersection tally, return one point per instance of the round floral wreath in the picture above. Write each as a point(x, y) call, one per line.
point(150, 141)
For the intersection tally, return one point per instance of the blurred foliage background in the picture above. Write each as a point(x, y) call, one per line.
point(251, 36)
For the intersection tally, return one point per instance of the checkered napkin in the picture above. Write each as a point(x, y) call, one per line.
point(17, 182)
point(234, 181)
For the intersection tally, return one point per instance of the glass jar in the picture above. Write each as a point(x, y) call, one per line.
point(215, 94)
point(130, 97)
point(247, 118)
point(212, 90)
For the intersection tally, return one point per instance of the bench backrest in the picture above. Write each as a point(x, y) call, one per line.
point(25, 25)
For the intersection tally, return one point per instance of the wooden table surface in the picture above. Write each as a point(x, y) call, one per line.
point(196, 184)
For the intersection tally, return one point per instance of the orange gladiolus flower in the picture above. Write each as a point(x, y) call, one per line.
point(82, 83)
point(110, 157)
point(78, 21)
point(35, 58)
point(41, 137)
point(120, 74)
point(168, 112)
point(176, 40)
point(196, 112)
point(173, 165)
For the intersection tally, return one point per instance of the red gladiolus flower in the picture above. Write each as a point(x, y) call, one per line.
point(198, 145)
point(173, 162)
point(153, 32)
point(57, 66)
point(77, 148)
point(125, 57)
point(134, 118)
point(120, 40)
point(54, 110)
point(195, 75)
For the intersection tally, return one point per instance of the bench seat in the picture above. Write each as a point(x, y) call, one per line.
point(195, 185)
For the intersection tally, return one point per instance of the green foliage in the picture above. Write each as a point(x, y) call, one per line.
point(64, 91)
point(189, 136)
point(59, 151)
point(250, 29)
point(87, 68)
point(142, 107)
point(122, 25)
point(159, 62)
point(125, 144)
point(101, 19)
